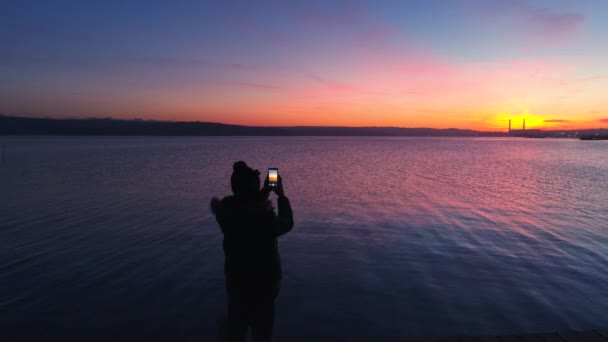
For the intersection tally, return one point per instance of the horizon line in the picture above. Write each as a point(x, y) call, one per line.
point(292, 126)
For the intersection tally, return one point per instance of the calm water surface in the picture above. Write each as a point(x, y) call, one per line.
point(112, 238)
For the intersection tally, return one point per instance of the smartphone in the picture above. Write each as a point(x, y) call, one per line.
point(273, 176)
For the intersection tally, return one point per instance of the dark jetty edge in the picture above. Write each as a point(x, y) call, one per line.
point(597, 335)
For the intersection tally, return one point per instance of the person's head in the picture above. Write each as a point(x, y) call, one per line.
point(245, 181)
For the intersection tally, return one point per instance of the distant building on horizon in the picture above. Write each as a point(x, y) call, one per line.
point(521, 131)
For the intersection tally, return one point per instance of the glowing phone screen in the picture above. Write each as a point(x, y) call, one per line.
point(273, 176)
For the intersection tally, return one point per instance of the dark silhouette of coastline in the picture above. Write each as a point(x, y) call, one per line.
point(13, 125)
point(595, 136)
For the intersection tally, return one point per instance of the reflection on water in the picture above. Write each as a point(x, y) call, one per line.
point(112, 237)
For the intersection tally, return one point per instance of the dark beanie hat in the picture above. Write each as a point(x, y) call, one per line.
point(245, 181)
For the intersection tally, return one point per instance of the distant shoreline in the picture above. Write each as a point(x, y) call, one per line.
point(13, 125)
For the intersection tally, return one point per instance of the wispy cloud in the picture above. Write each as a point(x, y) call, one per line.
point(339, 87)
point(352, 20)
point(344, 14)
point(379, 31)
point(575, 80)
point(587, 79)
point(555, 121)
point(235, 66)
point(342, 87)
point(245, 84)
point(538, 26)
point(604, 120)
point(195, 62)
point(247, 24)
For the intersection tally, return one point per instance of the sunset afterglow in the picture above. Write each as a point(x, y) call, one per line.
point(463, 64)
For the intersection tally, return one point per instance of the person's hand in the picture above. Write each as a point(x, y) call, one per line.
point(265, 191)
point(278, 189)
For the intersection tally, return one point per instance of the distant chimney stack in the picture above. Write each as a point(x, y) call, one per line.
point(509, 125)
point(524, 124)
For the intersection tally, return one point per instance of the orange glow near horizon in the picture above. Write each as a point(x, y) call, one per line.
point(448, 110)
point(323, 65)
point(415, 93)
point(369, 87)
point(287, 114)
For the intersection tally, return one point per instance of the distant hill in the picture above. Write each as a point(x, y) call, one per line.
point(44, 126)
point(12, 125)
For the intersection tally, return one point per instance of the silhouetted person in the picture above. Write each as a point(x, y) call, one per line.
point(252, 263)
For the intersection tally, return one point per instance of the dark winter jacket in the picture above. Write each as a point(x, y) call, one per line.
point(251, 227)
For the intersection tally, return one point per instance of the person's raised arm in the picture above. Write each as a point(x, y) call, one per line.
point(284, 219)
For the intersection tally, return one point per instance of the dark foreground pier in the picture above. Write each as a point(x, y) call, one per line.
point(597, 335)
point(561, 336)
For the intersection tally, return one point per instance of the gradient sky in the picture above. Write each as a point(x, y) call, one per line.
point(444, 63)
